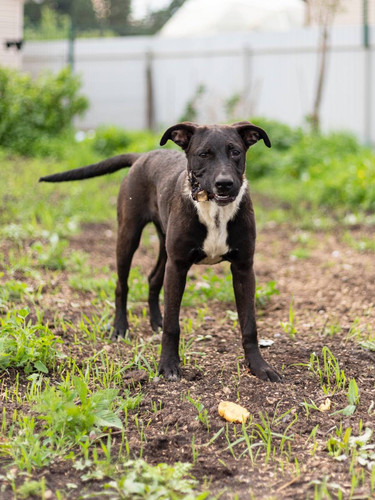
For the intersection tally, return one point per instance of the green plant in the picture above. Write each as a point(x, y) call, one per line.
point(33, 488)
point(142, 480)
point(331, 376)
point(13, 290)
point(32, 110)
point(289, 326)
point(202, 412)
point(108, 140)
point(51, 255)
point(73, 412)
point(52, 26)
point(344, 445)
point(353, 399)
point(25, 345)
point(264, 293)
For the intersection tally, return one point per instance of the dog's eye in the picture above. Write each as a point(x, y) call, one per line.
point(203, 155)
point(235, 152)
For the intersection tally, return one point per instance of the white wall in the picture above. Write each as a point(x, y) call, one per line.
point(11, 26)
point(276, 74)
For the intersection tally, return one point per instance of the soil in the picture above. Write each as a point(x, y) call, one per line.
point(332, 290)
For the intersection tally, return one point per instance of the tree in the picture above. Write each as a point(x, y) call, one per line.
point(156, 20)
point(80, 12)
point(321, 12)
point(94, 15)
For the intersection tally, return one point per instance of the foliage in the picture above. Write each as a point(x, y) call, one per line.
point(262, 161)
point(51, 25)
point(109, 139)
point(161, 481)
point(25, 345)
point(73, 411)
point(85, 18)
point(318, 170)
point(32, 111)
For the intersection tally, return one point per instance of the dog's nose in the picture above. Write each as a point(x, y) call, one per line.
point(223, 184)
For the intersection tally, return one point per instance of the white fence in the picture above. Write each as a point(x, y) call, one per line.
point(135, 81)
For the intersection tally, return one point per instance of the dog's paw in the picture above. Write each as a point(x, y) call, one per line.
point(120, 333)
point(156, 324)
point(170, 370)
point(262, 369)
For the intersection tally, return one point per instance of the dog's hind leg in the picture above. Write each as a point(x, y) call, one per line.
point(155, 280)
point(129, 235)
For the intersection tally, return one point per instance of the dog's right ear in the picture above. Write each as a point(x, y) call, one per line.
point(180, 134)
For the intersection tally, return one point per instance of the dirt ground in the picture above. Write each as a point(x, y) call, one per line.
point(332, 290)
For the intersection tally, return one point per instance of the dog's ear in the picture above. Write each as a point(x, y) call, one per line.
point(251, 134)
point(180, 134)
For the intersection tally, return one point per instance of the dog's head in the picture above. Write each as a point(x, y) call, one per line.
point(216, 155)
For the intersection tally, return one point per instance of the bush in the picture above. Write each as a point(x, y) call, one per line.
point(323, 170)
point(32, 111)
point(261, 160)
point(317, 149)
point(110, 139)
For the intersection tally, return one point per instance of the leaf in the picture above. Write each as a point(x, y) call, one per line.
point(81, 388)
point(349, 410)
point(106, 418)
point(341, 458)
point(41, 367)
point(361, 440)
point(326, 405)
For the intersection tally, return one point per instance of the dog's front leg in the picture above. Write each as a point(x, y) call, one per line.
point(174, 285)
point(244, 290)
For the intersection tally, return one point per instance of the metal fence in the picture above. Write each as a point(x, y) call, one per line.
point(139, 82)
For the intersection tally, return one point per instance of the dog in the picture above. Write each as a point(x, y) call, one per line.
point(200, 205)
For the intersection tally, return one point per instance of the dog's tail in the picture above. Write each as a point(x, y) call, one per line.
point(103, 167)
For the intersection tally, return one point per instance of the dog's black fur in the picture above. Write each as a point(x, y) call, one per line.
point(201, 207)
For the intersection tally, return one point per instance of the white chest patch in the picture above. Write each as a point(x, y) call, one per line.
point(216, 219)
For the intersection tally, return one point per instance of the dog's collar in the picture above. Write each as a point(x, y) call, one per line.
point(197, 193)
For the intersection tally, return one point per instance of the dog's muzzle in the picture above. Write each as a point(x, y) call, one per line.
point(199, 194)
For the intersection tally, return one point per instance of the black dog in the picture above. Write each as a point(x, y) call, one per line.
point(201, 207)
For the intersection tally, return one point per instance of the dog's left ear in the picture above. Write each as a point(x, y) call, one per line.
point(251, 134)
point(180, 134)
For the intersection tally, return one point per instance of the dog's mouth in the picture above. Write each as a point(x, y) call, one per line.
point(223, 199)
point(219, 199)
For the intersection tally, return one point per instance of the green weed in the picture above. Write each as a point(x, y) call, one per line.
point(353, 399)
point(330, 374)
point(143, 481)
point(289, 326)
point(73, 411)
point(25, 345)
point(202, 412)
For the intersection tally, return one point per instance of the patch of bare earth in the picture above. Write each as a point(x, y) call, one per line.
point(331, 288)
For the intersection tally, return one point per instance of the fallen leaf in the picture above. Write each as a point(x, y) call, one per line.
point(326, 405)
